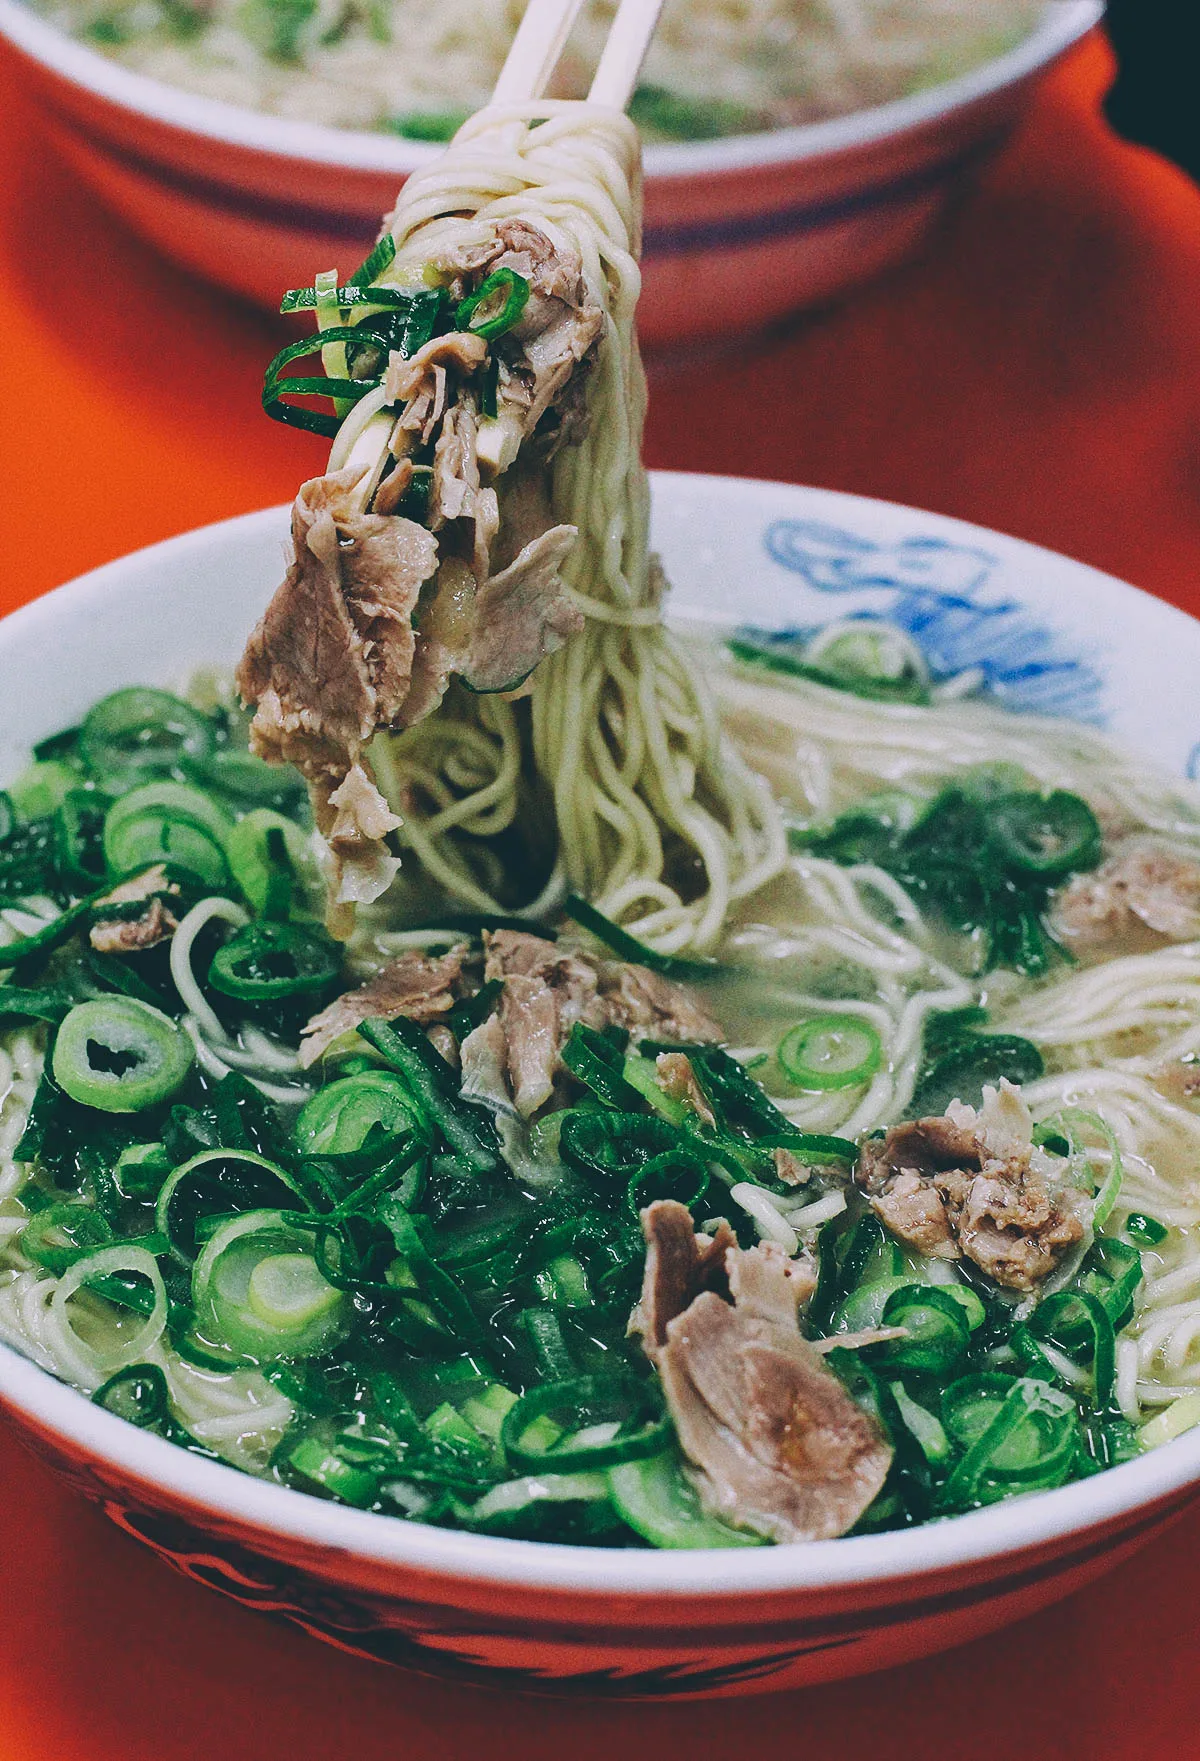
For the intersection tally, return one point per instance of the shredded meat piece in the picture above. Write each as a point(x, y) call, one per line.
point(548, 988)
point(127, 935)
point(1143, 885)
point(1178, 1081)
point(969, 1184)
point(790, 1169)
point(546, 991)
point(419, 986)
point(456, 493)
point(443, 1041)
point(521, 615)
point(556, 333)
point(560, 325)
point(678, 1080)
point(484, 1065)
point(775, 1442)
point(419, 381)
point(656, 1007)
point(679, 1265)
point(331, 660)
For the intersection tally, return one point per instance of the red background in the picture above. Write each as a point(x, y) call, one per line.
point(1037, 370)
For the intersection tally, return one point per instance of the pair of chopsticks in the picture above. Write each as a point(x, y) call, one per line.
point(542, 37)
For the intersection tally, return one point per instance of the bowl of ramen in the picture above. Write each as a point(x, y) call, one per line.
point(506, 1093)
point(793, 151)
point(988, 665)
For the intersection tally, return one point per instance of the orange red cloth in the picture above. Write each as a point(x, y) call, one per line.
point(1037, 370)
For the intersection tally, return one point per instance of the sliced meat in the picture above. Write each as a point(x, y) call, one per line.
point(354, 820)
point(679, 1265)
point(546, 991)
point(560, 325)
point(421, 383)
point(484, 1055)
point(678, 1080)
point(775, 1442)
point(1143, 885)
point(331, 660)
point(522, 614)
point(420, 986)
point(968, 1184)
point(913, 1209)
point(652, 1007)
point(128, 935)
point(456, 493)
point(1013, 1230)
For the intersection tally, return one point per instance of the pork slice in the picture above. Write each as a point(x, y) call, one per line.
point(455, 492)
point(529, 1018)
point(677, 1079)
point(420, 986)
point(354, 820)
point(1143, 885)
point(679, 1265)
point(484, 1056)
point(967, 1183)
point(914, 1210)
point(1013, 1230)
point(653, 1007)
point(522, 614)
point(128, 935)
point(546, 991)
point(329, 660)
point(776, 1442)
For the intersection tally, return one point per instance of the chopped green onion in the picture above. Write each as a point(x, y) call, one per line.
point(277, 386)
point(263, 852)
point(658, 1501)
point(497, 302)
point(257, 1290)
point(267, 962)
point(1045, 835)
point(830, 1052)
point(168, 822)
point(1071, 1123)
point(1146, 1231)
point(138, 1394)
point(136, 732)
point(338, 1118)
point(215, 1183)
point(434, 1085)
point(630, 948)
point(41, 789)
point(633, 1406)
point(594, 1059)
point(119, 1055)
point(427, 125)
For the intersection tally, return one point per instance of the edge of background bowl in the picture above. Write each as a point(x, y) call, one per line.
point(1065, 22)
point(224, 1492)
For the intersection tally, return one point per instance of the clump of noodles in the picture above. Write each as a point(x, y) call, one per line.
point(654, 814)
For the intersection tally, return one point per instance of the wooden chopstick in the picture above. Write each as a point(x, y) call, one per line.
point(624, 52)
point(542, 37)
point(536, 48)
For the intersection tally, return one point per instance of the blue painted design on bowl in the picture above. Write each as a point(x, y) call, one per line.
point(943, 596)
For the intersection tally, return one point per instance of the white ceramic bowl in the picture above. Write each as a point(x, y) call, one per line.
point(738, 232)
point(569, 1620)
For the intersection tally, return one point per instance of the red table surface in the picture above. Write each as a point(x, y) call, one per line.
point(1037, 370)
